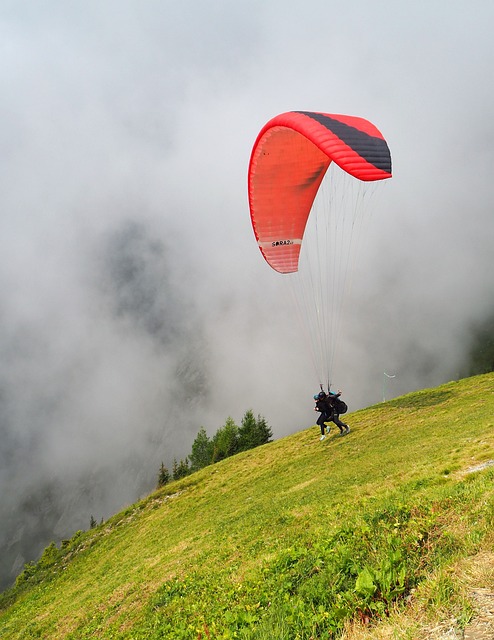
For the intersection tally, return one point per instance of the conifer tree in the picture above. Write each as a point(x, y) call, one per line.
point(264, 431)
point(202, 451)
point(253, 432)
point(181, 469)
point(163, 476)
point(247, 433)
point(225, 441)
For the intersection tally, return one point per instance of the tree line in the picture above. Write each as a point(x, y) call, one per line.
point(227, 441)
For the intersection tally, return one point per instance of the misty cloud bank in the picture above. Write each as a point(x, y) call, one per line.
point(135, 305)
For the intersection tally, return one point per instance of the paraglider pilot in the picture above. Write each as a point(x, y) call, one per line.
point(327, 406)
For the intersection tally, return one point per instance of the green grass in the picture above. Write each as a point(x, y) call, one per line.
point(297, 539)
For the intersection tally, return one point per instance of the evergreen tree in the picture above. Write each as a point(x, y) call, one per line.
point(92, 523)
point(264, 431)
point(247, 433)
point(181, 469)
point(202, 451)
point(163, 476)
point(225, 441)
point(253, 432)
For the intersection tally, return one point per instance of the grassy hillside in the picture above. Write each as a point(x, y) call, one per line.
point(379, 534)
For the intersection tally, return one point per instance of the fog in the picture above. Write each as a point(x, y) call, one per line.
point(135, 304)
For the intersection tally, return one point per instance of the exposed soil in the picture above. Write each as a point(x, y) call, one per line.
point(482, 625)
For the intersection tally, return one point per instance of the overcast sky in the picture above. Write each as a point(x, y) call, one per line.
point(135, 306)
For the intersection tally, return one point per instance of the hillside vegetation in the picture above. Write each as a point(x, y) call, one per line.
point(379, 534)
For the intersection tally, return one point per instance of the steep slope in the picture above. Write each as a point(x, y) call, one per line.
point(295, 539)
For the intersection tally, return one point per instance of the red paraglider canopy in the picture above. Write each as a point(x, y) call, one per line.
point(288, 162)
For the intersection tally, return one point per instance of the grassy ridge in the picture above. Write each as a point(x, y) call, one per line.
point(295, 539)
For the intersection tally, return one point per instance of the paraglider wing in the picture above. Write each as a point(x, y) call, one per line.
point(288, 162)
